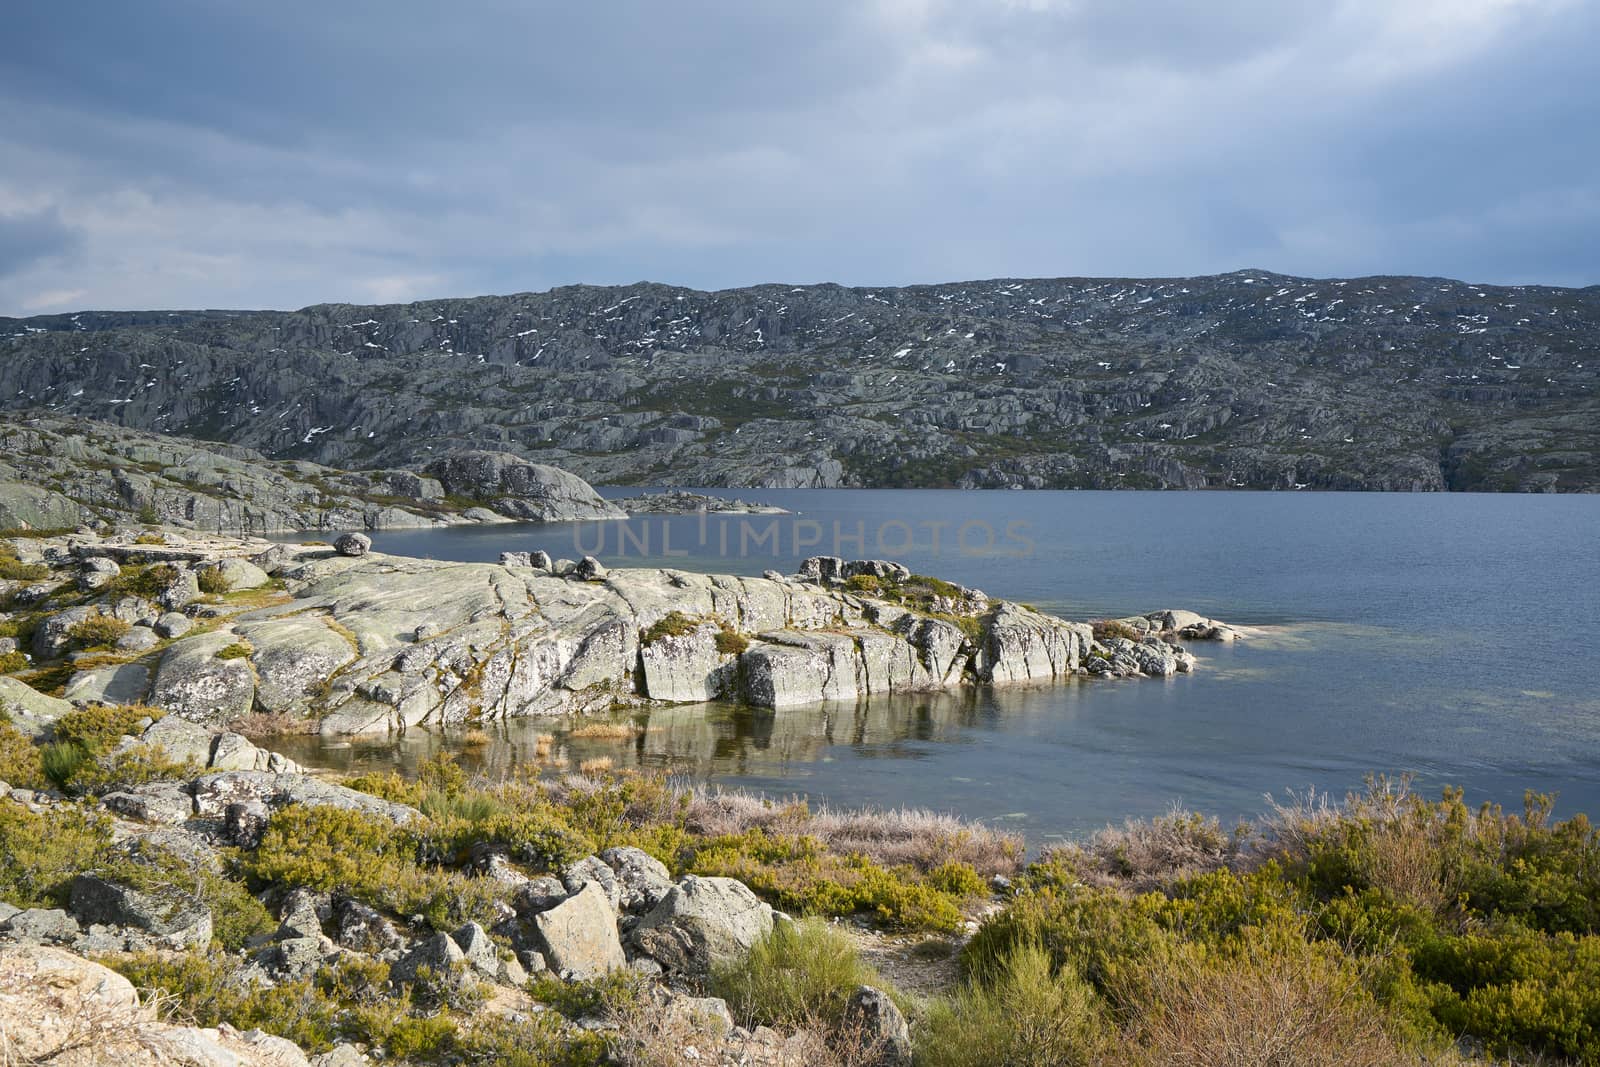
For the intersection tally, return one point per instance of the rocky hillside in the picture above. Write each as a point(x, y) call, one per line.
point(60, 472)
point(1248, 379)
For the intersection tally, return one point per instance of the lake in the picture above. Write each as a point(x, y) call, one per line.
point(1445, 636)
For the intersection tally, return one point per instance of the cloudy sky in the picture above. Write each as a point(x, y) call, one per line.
point(214, 153)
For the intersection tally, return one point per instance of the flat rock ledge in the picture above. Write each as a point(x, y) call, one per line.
point(373, 644)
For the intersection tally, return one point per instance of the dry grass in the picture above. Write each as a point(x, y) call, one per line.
point(597, 765)
point(273, 724)
point(1263, 1008)
point(903, 836)
point(543, 746)
point(605, 731)
point(475, 739)
point(1142, 855)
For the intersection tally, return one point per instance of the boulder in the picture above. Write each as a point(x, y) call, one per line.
point(579, 935)
point(162, 803)
point(701, 923)
point(50, 637)
point(592, 869)
point(97, 573)
point(192, 682)
point(821, 569)
point(360, 928)
point(173, 624)
point(687, 668)
point(125, 683)
point(213, 793)
point(293, 958)
point(241, 574)
point(244, 822)
point(294, 658)
point(177, 920)
point(353, 545)
point(880, 1025)
point(439, 954)
point(35, 925)
point(589, 569)
point(183, 589)
point(31, 711)
point(780, 676)
point(1155, 658)
point(642, 880)
point(1023, 645)
point(182, 740)
point(138, 639)
point(303, 913)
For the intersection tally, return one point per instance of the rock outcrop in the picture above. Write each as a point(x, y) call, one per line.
point(369, 643)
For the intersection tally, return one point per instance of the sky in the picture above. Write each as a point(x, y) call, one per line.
point(216, 153)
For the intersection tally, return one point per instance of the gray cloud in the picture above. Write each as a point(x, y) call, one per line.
point(28, 238)
point(233, 155)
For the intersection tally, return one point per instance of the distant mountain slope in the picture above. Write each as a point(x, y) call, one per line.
point(1246, 379)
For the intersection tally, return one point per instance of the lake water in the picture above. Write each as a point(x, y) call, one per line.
point(1447, 636)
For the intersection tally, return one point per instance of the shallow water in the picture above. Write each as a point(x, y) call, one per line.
point(1447, 636)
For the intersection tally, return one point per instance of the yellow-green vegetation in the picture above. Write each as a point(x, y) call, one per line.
point(797, 977)
point(1382, 930)
point(672, 624)
point(354, 1002)
point(99, 728)
point(40, 853)
point(79, 758)
point(14, 570)
point(731, 642)
point(148, 582)
point(150, 539)
point(1020, 1010)
point(237, 650)
point(11, 662)
point(20, 764)
point(797, 873)
point(813, 865)
point(212, 581)
point(97, 632)
point(1104, 628)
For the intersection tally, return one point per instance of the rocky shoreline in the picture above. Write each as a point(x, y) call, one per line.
point(217, 628)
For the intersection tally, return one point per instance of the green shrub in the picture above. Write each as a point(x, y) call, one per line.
point(97, 631)
point(237, 650)
point(236, 914)
point(1107, 628)
point(62, 760)
point(134, 766)
point(588, 998)
point(13, 570)
point(147, 582)
point(1017, 1012)
point(212, 580)
point(19, 758)
point(99, 728)
point(150, 539)
point(40, 853)
point(673, 624)
point(369, 858)
point(797, 977)
point(863, 583)
point(731, 642)
point(797, 874)
point(11, 662)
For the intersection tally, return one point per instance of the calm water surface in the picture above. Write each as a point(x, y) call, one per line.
point(1449, 636)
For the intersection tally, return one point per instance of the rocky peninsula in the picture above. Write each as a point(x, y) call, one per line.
point(215, 629)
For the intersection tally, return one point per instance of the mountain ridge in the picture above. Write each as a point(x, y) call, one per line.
point(1248, 379)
